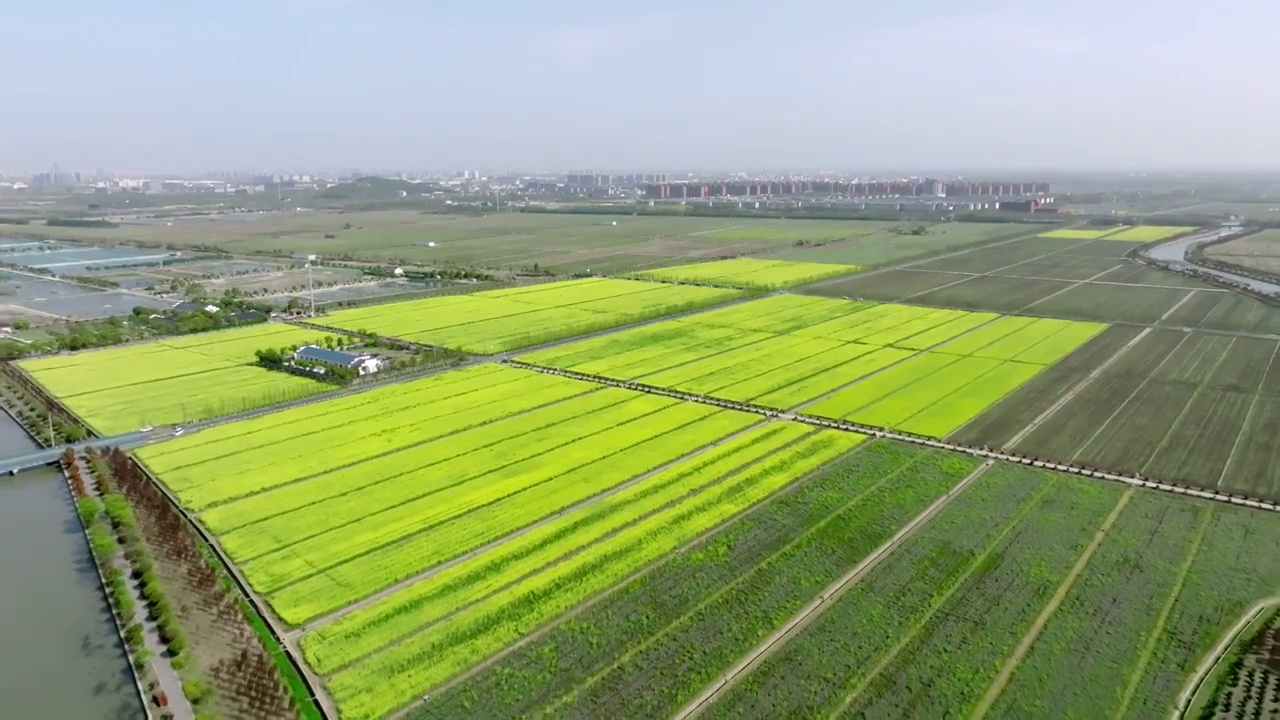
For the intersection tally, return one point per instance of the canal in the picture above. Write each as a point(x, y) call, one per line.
point(60, 656)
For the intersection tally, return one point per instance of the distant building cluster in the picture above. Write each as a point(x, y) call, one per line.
point(907, 187)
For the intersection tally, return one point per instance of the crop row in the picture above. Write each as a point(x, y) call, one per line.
point(818, 671)
point(662, 671)
point(465, 484)
point(749, 273)
point(788, 351)
point(329, 571)
point(169, 381)
point(233, 477)
point(297, 423)
point(400, 674)
point(367, 629)
point(500, 320)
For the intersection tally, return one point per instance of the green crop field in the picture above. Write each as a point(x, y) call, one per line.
point(500, 320)
point(120, 389)
point(1012, 603)
point(507, 240)
point(903, 243)
point(470, 505)
point(1189, 407)
point(749, 273)
point(900, 366)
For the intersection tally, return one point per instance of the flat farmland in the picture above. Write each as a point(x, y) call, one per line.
point(907, 367)
point(1189, 407)
point(749, 273)
point(897, 244)
point(170, 381)
point(444, 518)
point(562, 242)
point(1030, 595)
point(1149, 233)
point(1080, 233)
point(1259, 251)
point(993, 292)
point(500, 320)
point(1114, 303)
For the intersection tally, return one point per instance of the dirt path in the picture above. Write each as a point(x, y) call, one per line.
point(1248, 416)
point(641, 572)
point(826, 598)
point(161, 665)
point(1140, 667)
point(1011, 665)
point(1219, 651)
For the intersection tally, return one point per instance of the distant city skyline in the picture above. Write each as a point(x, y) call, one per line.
point(1006, 86)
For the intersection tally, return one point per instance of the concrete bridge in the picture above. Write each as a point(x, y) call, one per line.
point(19, 462)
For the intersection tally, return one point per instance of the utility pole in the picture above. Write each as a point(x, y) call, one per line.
point(310, 287)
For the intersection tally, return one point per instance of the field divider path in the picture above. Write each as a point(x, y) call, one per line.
point(920, 260)
point(1033, 633)
point(343, 612)
point(826, 598)
point(1248, 416)
point(746, 574)
point(888, 659)
point(1075, 390)
point(640, 572)
point(1119, 408)
point(1075, 285)
point(917, 354)
point(1148, 648)
point(1081, 282)
point(880, 432)
point(1164, 441)
point(1215, 656)
point(994, 271)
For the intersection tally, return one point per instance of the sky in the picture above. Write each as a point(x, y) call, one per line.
point(151, 86)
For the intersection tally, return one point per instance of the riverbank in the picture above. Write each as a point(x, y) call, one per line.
point(60, 654)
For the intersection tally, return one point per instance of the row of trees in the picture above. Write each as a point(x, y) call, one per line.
point(244, 677)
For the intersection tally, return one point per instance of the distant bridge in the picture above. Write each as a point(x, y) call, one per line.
point(14, 464)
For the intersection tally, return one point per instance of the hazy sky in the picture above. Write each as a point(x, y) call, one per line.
point(825, 84)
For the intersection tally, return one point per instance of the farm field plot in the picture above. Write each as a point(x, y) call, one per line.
point(499, 449)
point(500, 320)
point(1086, 624)
point(992, 292)
point(1080, 233)
point(1062, 266)
point(120, 389)
point(648, 647)
point(1112, 303)
point(887, 285)
point(1000, 256)
point(1129, 272)
point(896, 245)
point(1259, 251)
point(1149, 233)
point(562, 242)
point(1185, 407)
point(1225, 311)
point(927, 370)
point(749, 273)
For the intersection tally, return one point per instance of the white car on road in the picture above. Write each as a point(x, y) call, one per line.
point(146, 428)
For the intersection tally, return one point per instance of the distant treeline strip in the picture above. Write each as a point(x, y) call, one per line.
point(80, 223)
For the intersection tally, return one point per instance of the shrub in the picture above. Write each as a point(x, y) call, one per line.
point(88, 509)
point(178, 662)
point(196, 690)
point(133, 635)
point(177, 643)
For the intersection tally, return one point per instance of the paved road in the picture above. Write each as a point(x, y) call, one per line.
point(15, 464)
